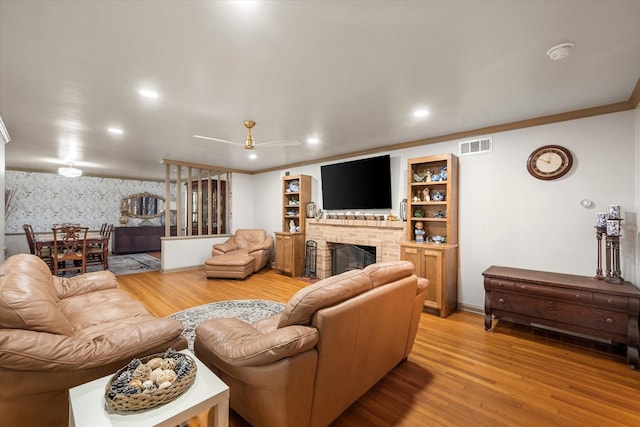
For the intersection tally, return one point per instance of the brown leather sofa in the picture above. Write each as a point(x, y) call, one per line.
point(56, 333)
point(247, 251)
point(334, 340)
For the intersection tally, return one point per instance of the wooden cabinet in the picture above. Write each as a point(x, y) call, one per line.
point(432, 202)
point(290, 251)
point(567, 302)
point(208, 206)
point(128, 240)
point(438, 263)
point(290, 243)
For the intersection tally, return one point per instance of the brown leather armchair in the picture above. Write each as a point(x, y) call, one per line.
point(57, 333)
point(334, 340)
point(252, 242)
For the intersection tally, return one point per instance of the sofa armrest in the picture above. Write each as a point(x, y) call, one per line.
point(423, 285)
point(239, 344)
point(265, 245)
point(418, 304)
point(84, 283)
point(25, 350)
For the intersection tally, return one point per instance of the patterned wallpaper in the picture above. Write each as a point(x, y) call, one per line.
point(43, 199)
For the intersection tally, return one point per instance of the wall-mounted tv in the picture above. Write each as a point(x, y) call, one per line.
point(358, 184)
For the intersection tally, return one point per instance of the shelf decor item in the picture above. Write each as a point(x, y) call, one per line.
point(610, 227)
point(614, 212)
point(403, 210)
point(150, 381)
point(419, 232)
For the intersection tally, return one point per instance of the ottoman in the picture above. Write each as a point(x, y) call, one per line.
point(229, 266)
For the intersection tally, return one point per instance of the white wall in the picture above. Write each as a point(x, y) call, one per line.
point(637, 195)
point(506, 217)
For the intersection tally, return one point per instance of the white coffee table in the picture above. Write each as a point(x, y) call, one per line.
point(87, 405)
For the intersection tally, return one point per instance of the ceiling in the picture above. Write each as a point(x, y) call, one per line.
point(349, 73)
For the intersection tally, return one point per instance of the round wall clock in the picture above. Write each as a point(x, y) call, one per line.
point(549, 162)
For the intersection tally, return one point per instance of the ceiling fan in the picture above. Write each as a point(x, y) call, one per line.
point(249, 144)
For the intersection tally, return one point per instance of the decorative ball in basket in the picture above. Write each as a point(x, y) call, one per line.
point(150, 381)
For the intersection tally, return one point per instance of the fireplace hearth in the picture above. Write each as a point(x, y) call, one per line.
point(384, 236)
point(351, 257)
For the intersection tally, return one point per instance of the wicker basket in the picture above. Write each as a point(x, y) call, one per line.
point(136, 402)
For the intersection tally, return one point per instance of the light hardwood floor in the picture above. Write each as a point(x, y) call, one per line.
point(458, 374)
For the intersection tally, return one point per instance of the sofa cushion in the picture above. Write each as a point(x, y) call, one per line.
point(245, 238)
point(324, 293)
point(28, 298)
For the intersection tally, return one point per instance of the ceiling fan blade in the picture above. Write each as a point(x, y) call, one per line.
point(217, 139)
point(286, 142)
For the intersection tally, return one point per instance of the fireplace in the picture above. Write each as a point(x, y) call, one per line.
point(351, 257)
point(384, 236)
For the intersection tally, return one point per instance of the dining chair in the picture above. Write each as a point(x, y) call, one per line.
point(69, 244)
point(45, 252)
point(98, 251)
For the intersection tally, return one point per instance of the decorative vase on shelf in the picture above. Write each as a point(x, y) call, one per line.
point(124, 220)
point(403, 210)
point(311, 210)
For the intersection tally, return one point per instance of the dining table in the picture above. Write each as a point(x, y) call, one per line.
point(44, 240)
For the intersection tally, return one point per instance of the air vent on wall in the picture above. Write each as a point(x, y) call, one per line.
point(475, 146)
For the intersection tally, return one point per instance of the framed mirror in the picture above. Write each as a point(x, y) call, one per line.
point(142, 205)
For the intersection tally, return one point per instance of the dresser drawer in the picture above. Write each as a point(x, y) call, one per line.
point(559, 311)
point(499, 284)
point(611, 301)
point(570, 295)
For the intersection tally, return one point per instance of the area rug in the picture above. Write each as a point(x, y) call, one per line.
point(129, 264)
point(245, 310)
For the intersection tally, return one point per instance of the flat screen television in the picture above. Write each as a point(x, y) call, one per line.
point(358, 184)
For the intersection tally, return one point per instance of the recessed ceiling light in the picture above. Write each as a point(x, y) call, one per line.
point(149, 93)
point(420, 113)
point(313, 140)
point(116, 131)
point(560, 51)
point(70, 172)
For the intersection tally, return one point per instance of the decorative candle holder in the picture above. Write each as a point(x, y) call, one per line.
point(614, 272)
point(614, 211)
point(599, 232)
point(611, 229)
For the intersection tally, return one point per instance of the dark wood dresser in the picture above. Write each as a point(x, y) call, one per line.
point(128, 240)
point(572, 303)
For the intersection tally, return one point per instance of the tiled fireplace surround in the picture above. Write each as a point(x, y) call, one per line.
point(385, 236)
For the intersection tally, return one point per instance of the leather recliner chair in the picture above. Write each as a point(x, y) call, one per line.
point(57, 333)
point(334, 340)
point(248, 242)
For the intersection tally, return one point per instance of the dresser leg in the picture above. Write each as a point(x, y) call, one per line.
point(633, 342)
point(487, 310)
point(487, 322)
